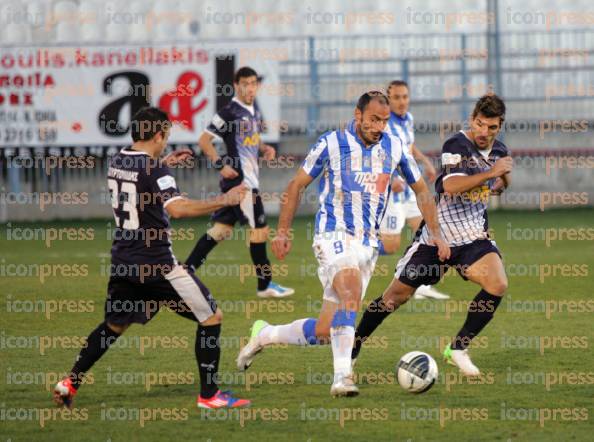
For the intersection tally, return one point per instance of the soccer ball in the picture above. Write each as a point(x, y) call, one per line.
point(416, 372)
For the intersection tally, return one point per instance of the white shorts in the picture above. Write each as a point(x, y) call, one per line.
point(336, 251)
point(397, 214)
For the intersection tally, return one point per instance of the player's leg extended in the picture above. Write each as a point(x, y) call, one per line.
point(419, 265)
point(98, 342)
point(217, 233)
point(196, 303)
point(489, 273)
point(396, 294)
point(347, 285)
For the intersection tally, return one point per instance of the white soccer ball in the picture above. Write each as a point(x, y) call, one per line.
point(416, 372)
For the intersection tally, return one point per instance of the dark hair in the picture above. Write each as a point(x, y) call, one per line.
point(370, 96)
point(244, 72)
point(491, 106)
point(396, 83)
point(147, 122)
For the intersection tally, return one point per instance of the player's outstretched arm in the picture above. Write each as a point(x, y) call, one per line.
point(281, 244)
point(185, 207)
point(463, 183)
point(426, 204)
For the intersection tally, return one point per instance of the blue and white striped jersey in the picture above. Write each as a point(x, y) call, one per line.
point(463, 217)
point(355, 183)
point(403, 128)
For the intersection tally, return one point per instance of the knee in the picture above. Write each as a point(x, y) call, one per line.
point(497, 287)
point(216, 318)
point(220, 232)
point(119, 329)
point(391, 247)
point(394, 298)
point(259, 235)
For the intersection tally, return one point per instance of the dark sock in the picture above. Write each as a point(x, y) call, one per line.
point(203, 247)
point(260, 260)
point(375, 313)
point(97, 344)
point(208, 353)
point(480, 312)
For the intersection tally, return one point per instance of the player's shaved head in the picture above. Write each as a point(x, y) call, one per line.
point(371, 116)
point(370, 96)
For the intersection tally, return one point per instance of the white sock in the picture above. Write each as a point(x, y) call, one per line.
point(284, 334)
point(343, 338)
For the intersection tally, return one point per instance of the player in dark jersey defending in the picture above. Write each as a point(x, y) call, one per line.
point(474, 165)
point(239, 125)
point(144, 272)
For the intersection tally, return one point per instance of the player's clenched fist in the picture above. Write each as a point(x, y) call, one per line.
point(281, 245)
point(502, 166)
point(235, 195)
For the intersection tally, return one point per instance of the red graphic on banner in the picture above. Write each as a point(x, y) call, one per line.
point(189, 85)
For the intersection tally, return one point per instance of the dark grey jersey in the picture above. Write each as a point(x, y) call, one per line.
point(463, 217)
point(140, 188)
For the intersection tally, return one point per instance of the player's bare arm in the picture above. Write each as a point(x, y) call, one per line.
point(428, 209)
point(185, 207)
point(177, 157)
point(420, 157)
point(459, 183)
point(206, 146)
point(281, 244)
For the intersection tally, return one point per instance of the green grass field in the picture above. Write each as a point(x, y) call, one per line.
point(536, 356)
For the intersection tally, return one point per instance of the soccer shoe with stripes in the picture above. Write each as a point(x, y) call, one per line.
point(461, 359)
point(275, 290)
point(64, 393)
point(428, 292)
point(252, 348)
point(344, 386)
point(222, 399)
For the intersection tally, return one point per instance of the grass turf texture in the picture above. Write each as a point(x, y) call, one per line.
point(290, 386)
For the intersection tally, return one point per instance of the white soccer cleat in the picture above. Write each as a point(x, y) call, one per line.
point(252, 348)
point(275, 291)
point(461, 359)
point(428, 292)
point(344, 386)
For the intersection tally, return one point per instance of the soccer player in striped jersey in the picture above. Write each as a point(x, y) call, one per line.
point(402, 206)
point(356, 165)
point(474, 165)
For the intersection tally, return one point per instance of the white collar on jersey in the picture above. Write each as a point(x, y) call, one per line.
point(249, 107)
point(484, 152)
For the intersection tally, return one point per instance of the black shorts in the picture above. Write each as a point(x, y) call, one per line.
point(181, 291)
point(232, 214)
point(420, 264)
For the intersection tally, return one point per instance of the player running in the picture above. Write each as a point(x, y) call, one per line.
point(402, 206)
point(356, 165)
point(144, 271)
point(239, 124)
point(474, 165)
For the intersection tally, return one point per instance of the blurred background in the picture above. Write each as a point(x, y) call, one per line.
point(73, 72)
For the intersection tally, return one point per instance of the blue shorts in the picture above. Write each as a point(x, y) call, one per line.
point(420, 264)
